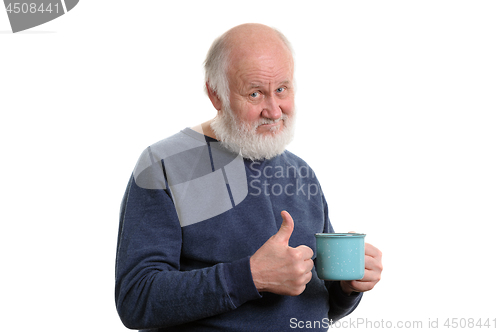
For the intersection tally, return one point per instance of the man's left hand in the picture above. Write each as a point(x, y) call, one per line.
point(373, 272)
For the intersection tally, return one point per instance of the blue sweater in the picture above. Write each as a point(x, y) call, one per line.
point(191, 217)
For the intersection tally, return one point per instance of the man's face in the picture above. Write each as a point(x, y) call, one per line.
point(258, 119)
point(261, 90)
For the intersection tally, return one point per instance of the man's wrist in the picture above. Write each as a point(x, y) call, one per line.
point(255, 275)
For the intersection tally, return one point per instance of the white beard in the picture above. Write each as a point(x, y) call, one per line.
point(242, 138)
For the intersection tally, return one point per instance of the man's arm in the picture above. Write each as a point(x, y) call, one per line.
point(150, 289)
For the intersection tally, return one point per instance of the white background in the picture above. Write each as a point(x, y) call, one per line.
point(398, 107)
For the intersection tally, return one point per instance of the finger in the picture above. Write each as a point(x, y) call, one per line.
point(361, 286)
point(373, 264)
point(372, 251)
point(306, 252)
point(286, 229)
point(306, 267)
point(310, 265)
point(371, 276)
point(308, 277)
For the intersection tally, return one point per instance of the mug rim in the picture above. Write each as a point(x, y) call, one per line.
point(340, 235)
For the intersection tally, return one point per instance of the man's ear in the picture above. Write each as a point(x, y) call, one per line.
point(214, 98)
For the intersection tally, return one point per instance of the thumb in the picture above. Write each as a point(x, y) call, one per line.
point(286, 228)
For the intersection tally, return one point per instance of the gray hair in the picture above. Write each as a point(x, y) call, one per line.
point(217, 61)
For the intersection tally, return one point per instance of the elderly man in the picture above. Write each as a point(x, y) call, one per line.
point(217, 223)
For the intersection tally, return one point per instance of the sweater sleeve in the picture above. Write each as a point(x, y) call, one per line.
point(341, 304)
point(150, 290)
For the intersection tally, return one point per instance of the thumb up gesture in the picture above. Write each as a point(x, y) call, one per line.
point(278, 268)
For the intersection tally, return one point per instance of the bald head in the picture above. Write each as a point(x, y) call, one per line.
point(239, 44)
point(249, 38)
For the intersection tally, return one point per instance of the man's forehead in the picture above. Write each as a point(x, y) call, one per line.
point(261, 70)
point(261, 52)
point(259, 84)
point(257, 77)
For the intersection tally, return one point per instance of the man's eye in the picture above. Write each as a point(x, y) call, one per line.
point(254, 95)
point(279, 90)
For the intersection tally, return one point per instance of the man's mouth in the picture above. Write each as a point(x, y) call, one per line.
point(271, 126)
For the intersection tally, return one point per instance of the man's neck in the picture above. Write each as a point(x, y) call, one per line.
point(205, 129)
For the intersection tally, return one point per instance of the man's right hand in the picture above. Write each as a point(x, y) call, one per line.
point(279, 268)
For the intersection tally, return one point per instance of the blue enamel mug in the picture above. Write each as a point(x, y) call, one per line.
point(340, 256)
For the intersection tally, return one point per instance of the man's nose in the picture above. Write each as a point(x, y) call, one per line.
point(271, 108)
